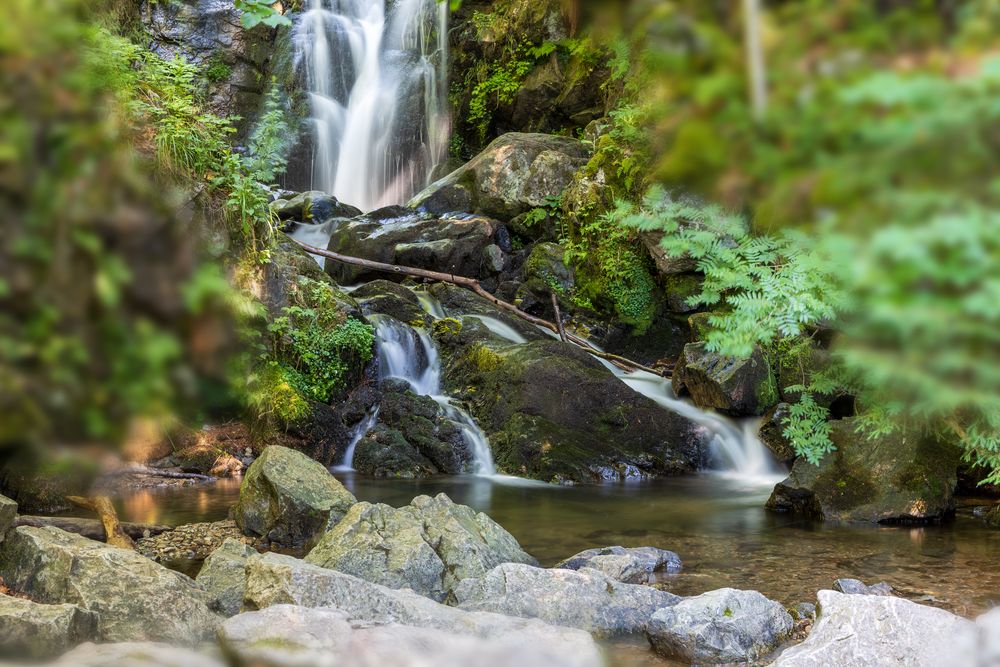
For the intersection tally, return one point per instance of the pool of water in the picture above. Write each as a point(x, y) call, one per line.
point(716, 524)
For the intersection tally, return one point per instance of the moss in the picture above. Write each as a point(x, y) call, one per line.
point(727, 612)
point(447, 326)
point(483, 359)
point(844, 486)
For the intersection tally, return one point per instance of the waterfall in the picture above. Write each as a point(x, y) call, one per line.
point(409, 354)
point(359, 431)
point(376, 76)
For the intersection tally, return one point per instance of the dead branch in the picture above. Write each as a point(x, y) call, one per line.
point(90, 528)
point(101, 505)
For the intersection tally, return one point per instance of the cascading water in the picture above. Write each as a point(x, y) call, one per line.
point(376, 74)
point(359, 432)
point(409, 354)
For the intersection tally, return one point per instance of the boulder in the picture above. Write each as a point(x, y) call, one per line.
point(586, 599)
point(223, 575)
point(385, 452)
point(863, 630)
point(274, 579)
point(32, 630)
point(772, 434)
point(428, 546)
point(136, 654)
point(134, 598)
point(289, 498)
point(896, 478)
point(453, 244)
point(313, 206)
point(516, 173)
point(722, 626)
point(631, 566)
point(856, 587)
point(8, 512)
point(383, 297)
point(666, 264)
point(289, 635)
point(735, 386)
point(678, 288)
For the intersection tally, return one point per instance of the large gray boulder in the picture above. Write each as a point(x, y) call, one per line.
point(722, 626)
point(514, 174)
point(223, 576)
point(274, 579)
point(454, 244)
point(289, 498)
point(290, 635)
point(586, 599)
point(728, 384)
point(137, 654)
point(135, 598)
point(866, 630)
point(32, 630)
point(630, 566)
point(429, 546)
point(895, 478)
point(8, 512)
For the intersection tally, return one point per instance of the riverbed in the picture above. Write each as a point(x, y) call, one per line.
point(716, 524)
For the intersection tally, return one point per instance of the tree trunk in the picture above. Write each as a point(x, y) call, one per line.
point(101, 505)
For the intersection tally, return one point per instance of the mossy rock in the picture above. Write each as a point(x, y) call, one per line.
point(384, 297)
point(730, 384)
point(679, 288)
point(385, 452)
point(897, 478)
point(772, 434)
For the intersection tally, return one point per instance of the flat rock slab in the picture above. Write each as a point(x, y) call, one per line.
point(868, 630)
point(587, 599)
point(135, 598)
point(288, 635)
point(721, 626)
point(631, 566)
point(277, 579)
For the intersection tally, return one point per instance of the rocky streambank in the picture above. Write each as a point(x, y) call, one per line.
point(430, 581)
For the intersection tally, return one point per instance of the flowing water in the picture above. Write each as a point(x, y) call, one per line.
point(375, 72)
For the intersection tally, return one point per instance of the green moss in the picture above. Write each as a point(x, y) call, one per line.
point(727, 612)
point(483, 359)
point(447, 326)
point(844, 486)
point(218, 71)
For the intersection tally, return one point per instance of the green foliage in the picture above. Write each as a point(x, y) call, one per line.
point(499, 86)
point(256, 12)
point(265, 159)
point(218, 71)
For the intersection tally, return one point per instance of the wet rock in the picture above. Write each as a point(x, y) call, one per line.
point(384, 452)
point(313, 206)
point(425, 426)
point(722, 626)
point(586, 599)
point(192, 541)
point(731, 385)
point(289, 498)
point(290, 635)
point(388, 298)
point(772, 434)
point(896, 478)
point(32, 630)
point(136, 654)
point(511, 176)
point(274, 579)
point(428, 546)
point(453, 244)
point(631, 566)
point(134, 598)
point(862, 630)
point(224, 576)
point(856, 587)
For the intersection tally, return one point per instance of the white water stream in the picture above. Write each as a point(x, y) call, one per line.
point(376, 75)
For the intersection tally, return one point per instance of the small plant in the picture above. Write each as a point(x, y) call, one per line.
point(256, 12)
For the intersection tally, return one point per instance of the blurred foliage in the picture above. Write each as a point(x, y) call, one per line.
point(260, 12)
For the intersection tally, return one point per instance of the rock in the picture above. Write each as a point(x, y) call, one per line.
point(290, 635)
point(313, 206)
point(545, 271)
point(223, 576)
point(428, 546)
point(385, 453)
point(274, 579)
point(631, 566)
point(289, 498)
point(863, 630)
point(855, 587)
point(587, 599)
point(772, 434)
point(803, 611)
point(678, 288)
point(511, 176)
point(32, 630)
point(735, 386)
point(722, 626)
point(896, 478)
point(666, 264)
point(453, 244)
point(136, 654)
point(552, 412)
point(8, 512)
point(135, 598)
point(388, 298)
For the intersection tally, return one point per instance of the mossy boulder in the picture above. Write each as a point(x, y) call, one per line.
point(289, 499)
point(513, 175)
point(552, 412)
point(896, 478)
point(452, 244)
point(678, 288)
point(772, 434)
point(729, 384)
point(313, 206)
point(388, 298)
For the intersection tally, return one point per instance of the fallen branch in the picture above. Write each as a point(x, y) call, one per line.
point(153, 472)
point(90, 528)
point(555, 309)
point(473, 285)
point(101, 505)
